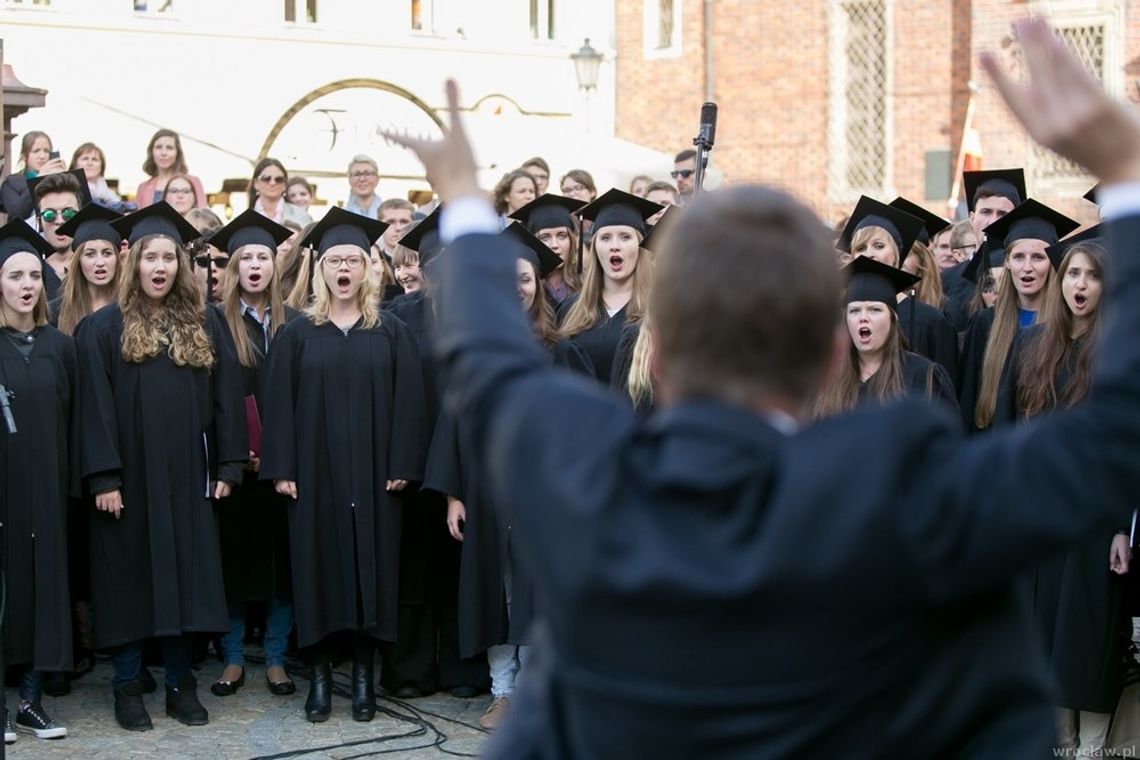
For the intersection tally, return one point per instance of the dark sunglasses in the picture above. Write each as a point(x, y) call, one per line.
point(204, 261)
point(271, 180)
point(682, 173)
point(50, 215)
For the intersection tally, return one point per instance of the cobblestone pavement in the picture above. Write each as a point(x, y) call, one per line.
point(252, 724)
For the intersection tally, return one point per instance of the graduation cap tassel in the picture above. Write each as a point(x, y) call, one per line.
point(913, 309)
point(581, 241)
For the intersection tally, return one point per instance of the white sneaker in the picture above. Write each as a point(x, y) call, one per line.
point(9, 732)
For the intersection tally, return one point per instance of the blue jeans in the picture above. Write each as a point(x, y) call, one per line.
point(31, 686)
point(278, 623)
point(177, 653)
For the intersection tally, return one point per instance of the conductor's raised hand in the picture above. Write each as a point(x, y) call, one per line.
point(1064, 108)
point(448, 163)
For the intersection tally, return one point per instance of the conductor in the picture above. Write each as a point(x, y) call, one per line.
point(721, 581)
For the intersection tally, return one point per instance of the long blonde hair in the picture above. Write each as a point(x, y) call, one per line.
point(75, 299)
point(584, 312)
point(176, 325)
point(640, 379)
point(928, 289)
point(248, 354)
point(1005, 327)
point(367, 298)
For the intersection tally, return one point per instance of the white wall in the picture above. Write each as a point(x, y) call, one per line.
point(221, 72)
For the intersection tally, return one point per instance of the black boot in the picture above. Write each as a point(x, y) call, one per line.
point(182, 703)
point(130, 711)
point(363, 692)
point(319, 704)
point(146, 680)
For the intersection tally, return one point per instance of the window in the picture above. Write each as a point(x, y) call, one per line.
point(153, 6)
point(858, 99)
point(662, 32)
point(301, 11)
point(542, 19)
point(422, 20)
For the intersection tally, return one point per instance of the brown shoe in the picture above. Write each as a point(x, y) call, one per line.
point(495, 713)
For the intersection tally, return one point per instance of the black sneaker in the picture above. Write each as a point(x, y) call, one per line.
point(9, 732)
point(35, 721)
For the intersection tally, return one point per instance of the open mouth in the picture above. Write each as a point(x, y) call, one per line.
point(254, 279)
point(27, 299)
point(1080, 300)
point(158, 282)
point(343, 282)
point(616, 262)
point(864, 333)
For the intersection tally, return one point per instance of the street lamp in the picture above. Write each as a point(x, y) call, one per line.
point(587, 63)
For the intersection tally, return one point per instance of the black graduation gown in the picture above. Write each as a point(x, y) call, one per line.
point(922, 380)
point(929, 333)
point(343, 415)
point(52, 283)
point(486, 550)
point(252, 525)
point(696, 561)
point(1076, 599)
point(160, 433)
point(34, 499)
point(958, 292)
point(600, 342)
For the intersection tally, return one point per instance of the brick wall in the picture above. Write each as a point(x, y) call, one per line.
point(770, 64)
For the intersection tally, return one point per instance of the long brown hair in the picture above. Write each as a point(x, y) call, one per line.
point(75, 300)
point(27, 142)
point(1005, 327)
point(841, 394)
point(569, 268)
point(1054, 347)
point(177, 324)
point(248, 354)
point(151, 168)
point(541, 313)
point(584, 312)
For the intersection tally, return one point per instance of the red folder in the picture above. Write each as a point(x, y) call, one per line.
point(253, 425)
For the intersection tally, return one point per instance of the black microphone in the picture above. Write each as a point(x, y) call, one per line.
point(6, 408)
point(708, 124)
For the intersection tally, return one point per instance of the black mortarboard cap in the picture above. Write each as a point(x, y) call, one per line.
point(17, 237)
point(340, 227)
point(1057, 251)
point(156, 219)
point(423, 237)
point(80, 178)
point(534, 250)
point(1091, 195)
point(250, 228)
point(617, 207)
point(1008, 183)
point(901, 226)
point(1031, 220)
point(871, 280)
point(93, 222)
point(658, 232)
point(548, 211)
point(932, 223)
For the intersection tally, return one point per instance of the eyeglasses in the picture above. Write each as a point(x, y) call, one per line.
point(682, 173)
point(567, 189)
point(352, 262)
point(51, 216)
point(362, 174)
point(204, 261)
point(965, 248)
point(276, 180)
point(179, 191)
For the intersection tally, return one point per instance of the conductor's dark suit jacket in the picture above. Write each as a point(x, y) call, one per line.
point(716, 588)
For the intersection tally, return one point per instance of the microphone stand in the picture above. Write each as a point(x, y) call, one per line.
point(10, 425)
point(703, 143)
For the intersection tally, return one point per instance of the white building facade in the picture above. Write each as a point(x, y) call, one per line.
point(312, 83)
